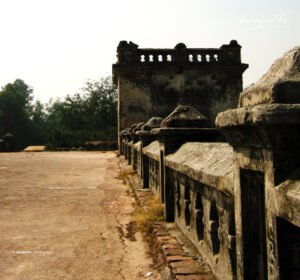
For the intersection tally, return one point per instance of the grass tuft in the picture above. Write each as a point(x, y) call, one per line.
point(145, 217)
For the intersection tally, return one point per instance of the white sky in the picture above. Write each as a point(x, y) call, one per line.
point(55, 46)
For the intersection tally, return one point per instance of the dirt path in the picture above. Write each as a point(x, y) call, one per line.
point(65, 216)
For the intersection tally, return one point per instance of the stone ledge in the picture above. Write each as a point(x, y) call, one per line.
point(208, 163)
point(137, 146)
point(273, 114)
point(152, 150)
point(280, 84)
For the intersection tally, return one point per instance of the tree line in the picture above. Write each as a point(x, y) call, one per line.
point(88, 115)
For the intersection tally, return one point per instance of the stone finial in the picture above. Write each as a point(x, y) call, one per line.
point(122, 132)
point(138, 126)
point(181, 53)
point(185, 116)
point(125, 133)
point(132, 127)
point(281, 84)
point(180, 46)
point(154, 122)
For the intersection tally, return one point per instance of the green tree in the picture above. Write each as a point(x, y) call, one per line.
point(15, 108)
point(102, 107)
point(38, 124)
point(88, 115)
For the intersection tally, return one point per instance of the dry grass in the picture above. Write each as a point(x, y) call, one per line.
point(145, 217)
point(125, 173)
point(152, 212)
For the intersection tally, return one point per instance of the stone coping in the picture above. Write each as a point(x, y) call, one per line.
point(183, 131)
point(273, 114)
point(130, 143)
point(145, 136)
point(280, 84)
point(152, 150)
point(142, 133)
point(208, 163)
point(137, 146)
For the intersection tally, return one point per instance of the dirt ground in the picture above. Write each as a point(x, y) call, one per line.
point(67, 215)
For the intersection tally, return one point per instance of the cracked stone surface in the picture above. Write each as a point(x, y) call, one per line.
point(67, 215)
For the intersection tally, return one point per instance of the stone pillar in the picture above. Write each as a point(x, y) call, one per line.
point(127, 150)
point(135, 139)
point(121, 142)
point(265, 134)
point(184, 124)
point(129, 141)
point(146, 138)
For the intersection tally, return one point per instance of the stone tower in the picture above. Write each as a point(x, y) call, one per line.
point(152, 82)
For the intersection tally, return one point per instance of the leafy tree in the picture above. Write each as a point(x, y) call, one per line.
point(88, 115)
point(38, 124)
point(102, 107)
point(15, 107)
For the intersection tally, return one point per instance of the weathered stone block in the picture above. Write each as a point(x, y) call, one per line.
point(281, 84)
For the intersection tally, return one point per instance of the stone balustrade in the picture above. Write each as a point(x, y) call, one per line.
point(238, 202)
point(170, 56)
point(130, 53)
point(176, 174)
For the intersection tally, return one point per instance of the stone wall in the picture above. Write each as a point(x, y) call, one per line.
point(238, 202)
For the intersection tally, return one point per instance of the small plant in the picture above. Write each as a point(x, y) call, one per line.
point(145, 217)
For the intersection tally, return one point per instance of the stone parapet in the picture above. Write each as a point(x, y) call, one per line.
point(152, 150)
point(265, 134)
point(131, 53)
point(208, 163)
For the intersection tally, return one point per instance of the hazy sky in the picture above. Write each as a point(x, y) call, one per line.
point(55, 46)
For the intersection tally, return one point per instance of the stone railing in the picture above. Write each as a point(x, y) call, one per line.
point(151, 159)
point(130, 53)
point(201, 177)
point(194, 198)
point(237, 202)
point(170, 55)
